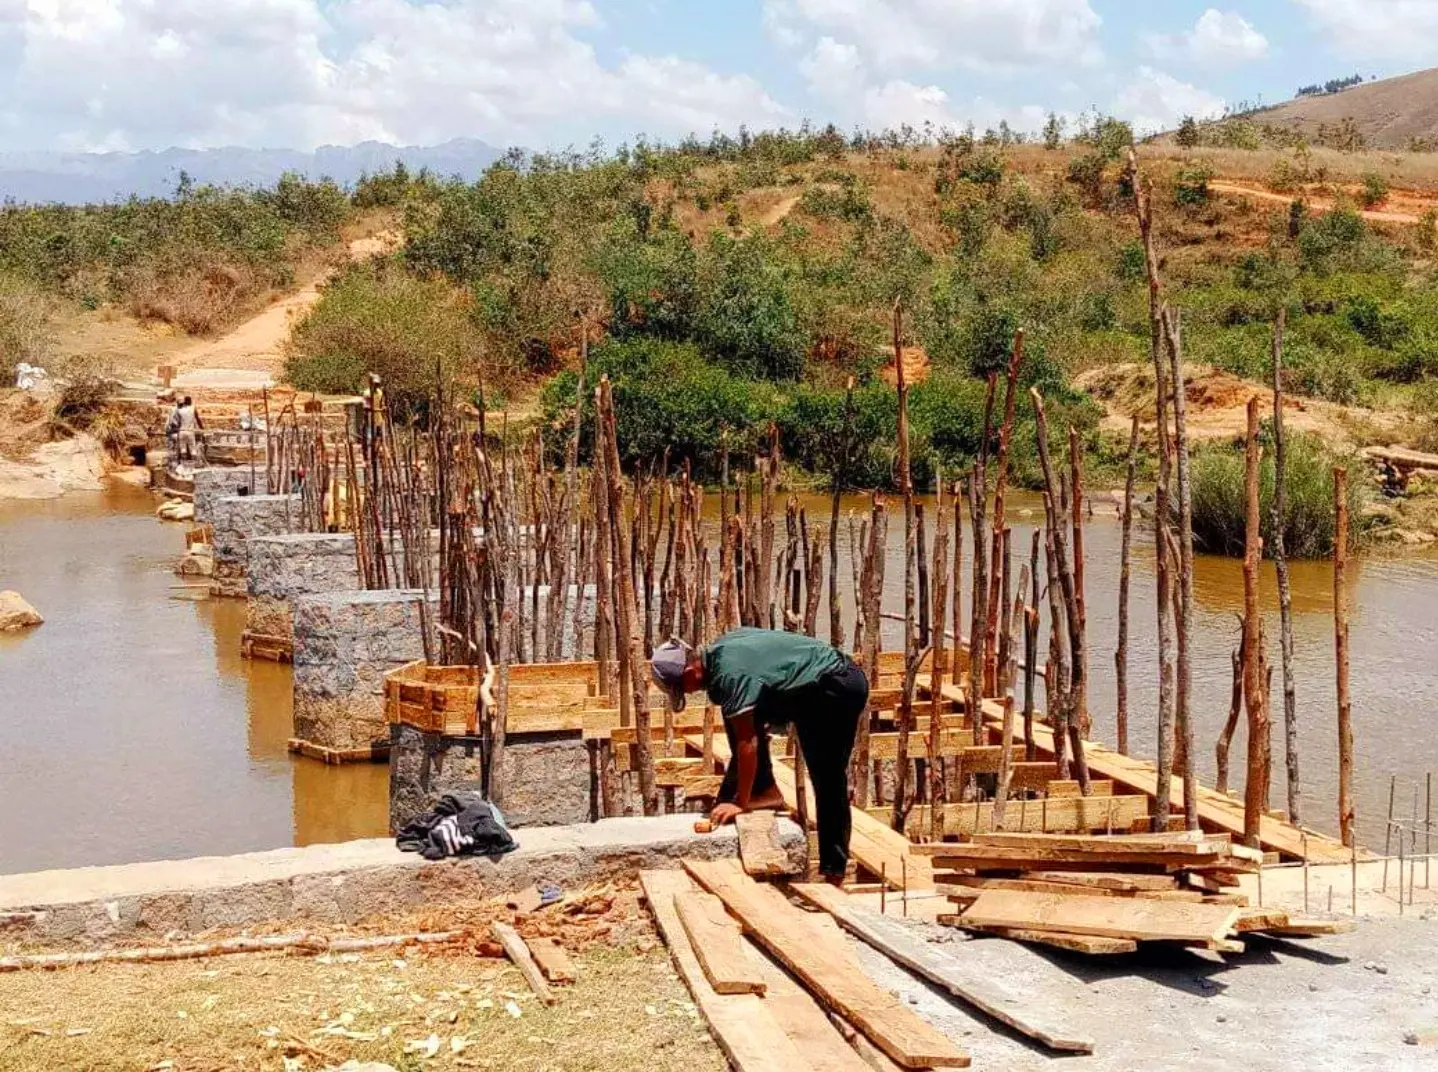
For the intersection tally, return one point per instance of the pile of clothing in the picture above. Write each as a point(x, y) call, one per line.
point(459, 824)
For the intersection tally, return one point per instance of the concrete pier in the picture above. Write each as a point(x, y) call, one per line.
point(283, 569)
point(238, 518)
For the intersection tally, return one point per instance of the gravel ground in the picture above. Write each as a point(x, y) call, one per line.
point(1324, 1005)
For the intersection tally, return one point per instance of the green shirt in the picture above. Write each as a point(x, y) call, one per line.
point(753, 668)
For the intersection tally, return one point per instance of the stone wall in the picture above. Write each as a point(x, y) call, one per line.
point(547, 776)
point(281, 569)
point(236, 518)
point(346, 883)
point(344, 645)
point(221, 482)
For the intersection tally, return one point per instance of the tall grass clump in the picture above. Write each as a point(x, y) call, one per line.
point(26, 330)
point(1218, 498)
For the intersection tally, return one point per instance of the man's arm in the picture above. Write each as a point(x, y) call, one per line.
point(746, 755)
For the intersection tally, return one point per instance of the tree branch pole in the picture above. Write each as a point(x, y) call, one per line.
point(1143, 209)
point(1125, 560)
point(1001, 482)
point(936, 789)
point(956, 671)
point(1183, 710)
point(911, 638)
point(1079, 622)
point(1031, 648)
point(1235, 709)
point(978, 628)
point(841, 476)
point(1255, 798)
point(872, 586)
point(1285, 590)
point(1346, 817)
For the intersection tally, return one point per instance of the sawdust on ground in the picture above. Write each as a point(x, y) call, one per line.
point(462, 1001)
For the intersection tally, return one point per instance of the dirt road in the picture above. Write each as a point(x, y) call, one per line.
point(254, 352)
point(1322, 204)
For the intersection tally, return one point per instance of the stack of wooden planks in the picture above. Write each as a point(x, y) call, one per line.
point(798, 1010)
point(1105, 895)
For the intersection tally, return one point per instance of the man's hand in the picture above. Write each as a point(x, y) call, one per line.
point(724, 814)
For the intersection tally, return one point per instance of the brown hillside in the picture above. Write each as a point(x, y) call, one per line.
point(1389, 114)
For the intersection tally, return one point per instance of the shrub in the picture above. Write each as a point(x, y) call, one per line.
point(1191, 188)
point(1375, 190)
point(1187, 135)
point(1323, 238)
point(1218, 498)
point(376, 318)
point(26, 328)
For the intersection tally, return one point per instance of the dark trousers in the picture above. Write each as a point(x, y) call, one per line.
point(826, 716)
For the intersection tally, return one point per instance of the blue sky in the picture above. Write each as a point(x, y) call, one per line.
point(148, 74)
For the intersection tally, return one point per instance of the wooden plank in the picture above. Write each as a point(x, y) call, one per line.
point(718, 943)
point(952, 742)
point(1105, 917)
point(990, 994)
point(1302, 927)
point(1060, 814)
point(1022, 885)
point(1073, 943)
point(553, 961)
point(1260, 919)
point(996, 858)
point(760, 850)
point(1100, 787)
point(1214, 809)
point(518, 952)
point(1071, 843)
point(827, 968)
point(1106, 880)
point(743, 1025)
point(873, 844)
point(822, 1042)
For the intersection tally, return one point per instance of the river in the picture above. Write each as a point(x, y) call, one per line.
point(131, 729)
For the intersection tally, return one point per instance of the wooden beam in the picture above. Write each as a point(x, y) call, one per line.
point(1073, 943)
point(718, 943)
point(553, 961)
point(743, 1025)
point(518, 952)
point(827, 968)
point(1104, 917)
point(1064, 813)
point(1106, 880)
point(990, 994)
point(760, 850)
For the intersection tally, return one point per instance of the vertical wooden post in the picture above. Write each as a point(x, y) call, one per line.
point(861, 778)
point(841, 474)
point(1285, 592)
point(1031, 649)
point(1120, 655)
point(997, 606)
point(1255, 800)
point(911, 561)
point(1080, 712)
point(936, 672)
point(1184, 610)
point(957, 590)
point(1340, 651)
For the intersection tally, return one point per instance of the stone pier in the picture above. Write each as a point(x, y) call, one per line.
point(218, 482)
point(238, 518)
point(344, 644)
point(548, 777)
point(281, 570)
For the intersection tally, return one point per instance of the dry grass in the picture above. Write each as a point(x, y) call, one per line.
point(628, 1010)
point(1414, 171)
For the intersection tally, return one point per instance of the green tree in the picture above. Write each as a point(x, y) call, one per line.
point(1188, 134)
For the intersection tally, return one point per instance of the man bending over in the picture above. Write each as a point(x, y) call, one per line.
point(761, 679)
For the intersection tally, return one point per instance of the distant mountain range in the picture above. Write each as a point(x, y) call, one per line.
point(78, 178)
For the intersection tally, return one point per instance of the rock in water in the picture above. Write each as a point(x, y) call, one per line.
point(16, 614)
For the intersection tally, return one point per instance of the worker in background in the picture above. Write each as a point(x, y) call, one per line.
point(760, 679)
point(172, 431)
point(190, 426)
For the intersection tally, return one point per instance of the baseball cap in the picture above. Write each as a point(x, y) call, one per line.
point(666, 666)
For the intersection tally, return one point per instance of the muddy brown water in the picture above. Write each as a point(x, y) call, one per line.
point(130, 728)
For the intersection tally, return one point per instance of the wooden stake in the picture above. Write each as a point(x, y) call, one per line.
point(1184, 610)
point(1256, 787)
point(1346, 815)
point(1285, 593)
point(1120, 655)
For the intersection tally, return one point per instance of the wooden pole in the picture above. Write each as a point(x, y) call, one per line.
point(1001, 480)
point(936, 787)
point(1079, 686)
point(1235, 709)
point(957, 589)
point(1143, 209)
point(1285, 591)
point(861, 778)
point(1183, 710)
point(911, 560)
point(1255, 805)
point(1120, 655)
point(841, 475)
point(1346, 817)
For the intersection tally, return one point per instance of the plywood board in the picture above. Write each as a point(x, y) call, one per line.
point(743, 1025)
point(1106, 917)
point(988, 993)
point(827, 968)
point(718, 943)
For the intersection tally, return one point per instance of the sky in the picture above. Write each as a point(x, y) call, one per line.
point(125, 75)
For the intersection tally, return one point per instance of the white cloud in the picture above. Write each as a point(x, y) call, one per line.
point(1218, 38)
point(135, 73)
point(834, 70)
point(984, 35)
point(1377, 29)
point(1156, 101)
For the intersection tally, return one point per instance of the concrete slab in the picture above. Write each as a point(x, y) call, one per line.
point(337, 883)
